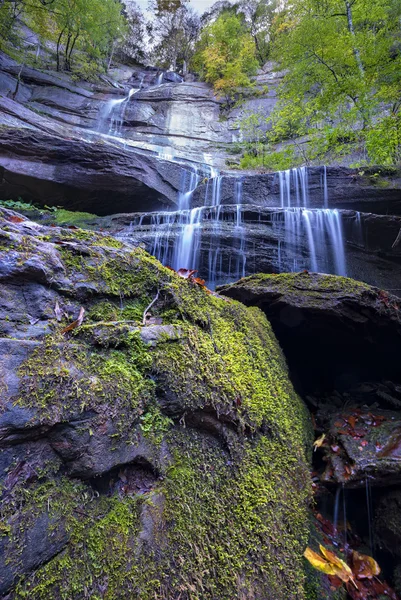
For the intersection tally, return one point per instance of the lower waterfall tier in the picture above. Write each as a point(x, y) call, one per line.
point(225, 243)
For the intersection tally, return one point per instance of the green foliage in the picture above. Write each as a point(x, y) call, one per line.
point(271, 161)
point(86, 28)
point(174, 30)
point(226, 55)
point(383, 140)
point(154, 424)
point(343, 72)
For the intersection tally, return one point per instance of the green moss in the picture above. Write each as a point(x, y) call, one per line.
point(228, 516)
point(69, 217)
point(154, 424)
point(62, 379)
point(305, 281)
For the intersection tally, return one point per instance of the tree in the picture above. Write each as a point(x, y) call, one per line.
point(133, 43)
point(342, 62)
point(88, 25)
point(226, 55)
point(175, 30)
point(259, 15)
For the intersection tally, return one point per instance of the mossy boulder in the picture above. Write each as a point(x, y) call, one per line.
point(335, 331)
point(166, 460)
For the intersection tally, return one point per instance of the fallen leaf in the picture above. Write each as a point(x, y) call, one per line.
point(329, 563)
point(319, 563)
point(335, 448)
point(351, 421)
point(199, 281)
point(15, 219)
point(76, 323)
point(343, 570)
point(186, 273)
point(364, 567)
point(319, 442)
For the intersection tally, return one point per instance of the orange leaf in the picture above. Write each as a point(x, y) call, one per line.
point(76, 323)
point(364, 567)
point(15, 219)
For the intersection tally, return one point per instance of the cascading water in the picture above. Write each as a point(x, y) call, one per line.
point(220, 239)
point(240, 234)
point(294, 185)
point(321, 228)
point(111, 116)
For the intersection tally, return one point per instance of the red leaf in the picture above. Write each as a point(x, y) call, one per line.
point(352, 421)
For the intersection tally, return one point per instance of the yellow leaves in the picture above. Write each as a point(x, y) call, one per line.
point(343, 571)
point(319, 442)
point(365, 567)
point(319, 563)
point(329, 564)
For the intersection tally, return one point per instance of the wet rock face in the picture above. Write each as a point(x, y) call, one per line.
point(126, 447)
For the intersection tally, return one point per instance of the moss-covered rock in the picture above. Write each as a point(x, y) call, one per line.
point(335, 331)
point(172, 465)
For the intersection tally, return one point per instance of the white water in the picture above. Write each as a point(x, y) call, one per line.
point(322, 227)
point(112, 114)
point(294, 188)
point(212, 237)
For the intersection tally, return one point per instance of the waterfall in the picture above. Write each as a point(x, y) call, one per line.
point(112, 113)
point(240, 234)
point(217, 237)
point(159, 79)
point(294, 182)
point(325, 188)
point(321, 227)
point(185, 252)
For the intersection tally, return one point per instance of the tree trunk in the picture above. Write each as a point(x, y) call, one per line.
point(71, 49)
point(351, 29)
point(58, 48)
point(111, 56)
point(18, 83)
point(66, 51)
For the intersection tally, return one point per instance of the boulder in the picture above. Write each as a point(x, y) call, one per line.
point(167, 459)
point(335, 331)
